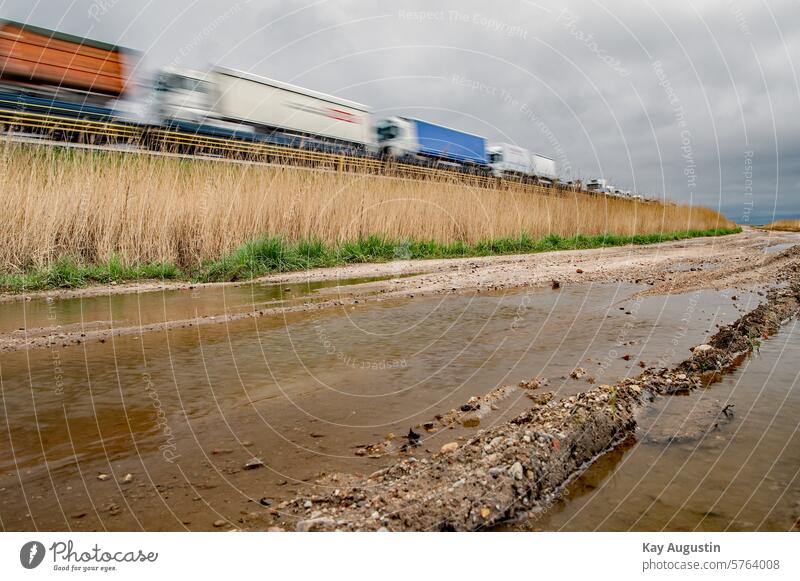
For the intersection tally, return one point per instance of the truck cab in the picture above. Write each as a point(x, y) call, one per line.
point(184, 95)
point(396, 138)
point(508, 160)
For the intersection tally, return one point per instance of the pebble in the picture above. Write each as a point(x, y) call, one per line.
point(253, 463)
point(516, 471)
point(449, 447)
point(702, 348)
point(127, 478)
point(102, 476)
point(220, 523)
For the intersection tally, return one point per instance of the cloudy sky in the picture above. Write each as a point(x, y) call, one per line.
point(698, 100)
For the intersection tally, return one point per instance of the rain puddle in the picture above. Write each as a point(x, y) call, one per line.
point(775, 248)
point(182, 411)
point(132, 309)
point(692, 468)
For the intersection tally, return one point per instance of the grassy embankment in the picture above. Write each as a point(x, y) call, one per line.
point(73, 218)
point(784, 226)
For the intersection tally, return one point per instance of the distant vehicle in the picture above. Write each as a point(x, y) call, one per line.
point(600, 186)
point(507, 160)
point(54, 73)
point(236, 101)
point(544, 167)
point(406, 138)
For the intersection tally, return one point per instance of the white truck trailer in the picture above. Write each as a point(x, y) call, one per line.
point(229, 100)
point(509, 160)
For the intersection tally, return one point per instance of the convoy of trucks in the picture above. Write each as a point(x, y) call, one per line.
point(51, 73)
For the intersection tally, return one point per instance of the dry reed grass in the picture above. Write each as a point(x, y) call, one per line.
point(141, 208)
point(784, 226)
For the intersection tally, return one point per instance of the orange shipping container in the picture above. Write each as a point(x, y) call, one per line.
point(45, 57)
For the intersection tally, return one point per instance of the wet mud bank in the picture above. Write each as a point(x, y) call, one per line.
point(521, 467)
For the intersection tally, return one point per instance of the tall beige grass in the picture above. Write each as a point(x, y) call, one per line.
point(56, 202)
point(784, 226)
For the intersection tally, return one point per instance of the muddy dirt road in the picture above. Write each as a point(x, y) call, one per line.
point(206, 407)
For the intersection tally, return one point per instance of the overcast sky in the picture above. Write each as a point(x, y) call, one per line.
point(683, 98)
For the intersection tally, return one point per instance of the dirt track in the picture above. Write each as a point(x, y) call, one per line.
point(724, 262)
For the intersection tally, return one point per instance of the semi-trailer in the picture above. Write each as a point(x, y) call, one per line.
point(234, 100)
point(509, 160)
point(408, 138)
point(59, 74)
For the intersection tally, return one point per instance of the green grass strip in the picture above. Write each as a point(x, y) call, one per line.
point(274, 254)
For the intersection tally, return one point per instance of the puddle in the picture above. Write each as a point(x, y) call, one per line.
point(183, 410)
point(132, 309)
point(738, 474)
point(775, 248)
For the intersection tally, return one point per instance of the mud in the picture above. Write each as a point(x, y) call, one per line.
point(737, 261)
point(521, 466)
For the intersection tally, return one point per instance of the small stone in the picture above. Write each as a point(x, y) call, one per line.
point(220, 523)
point(471, 422)
point(253, 463)
point(577, 373)
point(127, 478)
point(516, 471)
point(579, 270)
point(221, 451)
point(704, 348)
point(265, 501)
point(681, 377)
point(375, 515)
point(486, 512)
point(308, 504)
point(102, 476)
point(449, 448)
point(276, 530)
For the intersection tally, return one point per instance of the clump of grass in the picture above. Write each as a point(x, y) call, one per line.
point(69, 272)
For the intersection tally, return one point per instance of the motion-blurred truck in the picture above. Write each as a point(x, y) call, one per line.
point(409, 139)
point(225, 100)
point(509, 161)
point(49, 72)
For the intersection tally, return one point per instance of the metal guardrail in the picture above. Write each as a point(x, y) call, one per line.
point(96, 131)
